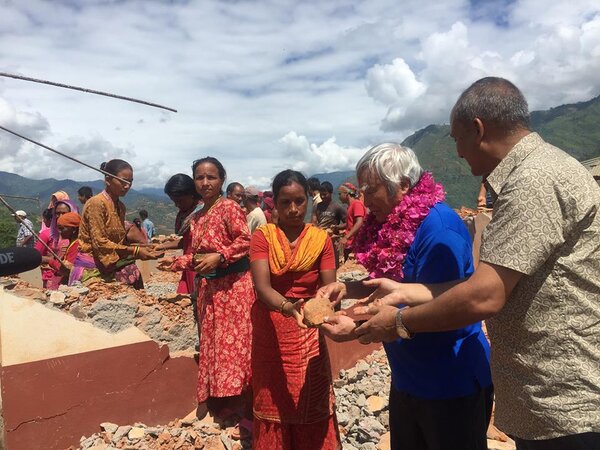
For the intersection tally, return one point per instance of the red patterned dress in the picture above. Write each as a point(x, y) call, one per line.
point(224, 302)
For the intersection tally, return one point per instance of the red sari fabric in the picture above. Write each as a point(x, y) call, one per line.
point(223, 303)
point(186, 283)
point(294, 403)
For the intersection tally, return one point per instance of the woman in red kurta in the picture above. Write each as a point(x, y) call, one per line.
point(220, 242)
point(294, 406)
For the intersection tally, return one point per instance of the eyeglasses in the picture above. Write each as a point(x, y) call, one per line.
point(369, 189)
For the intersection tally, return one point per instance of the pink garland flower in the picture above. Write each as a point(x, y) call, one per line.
point(382, 247)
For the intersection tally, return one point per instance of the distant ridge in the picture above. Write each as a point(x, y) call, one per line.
point(575, 128)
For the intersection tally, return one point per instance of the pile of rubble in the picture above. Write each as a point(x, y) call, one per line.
point(362, 412)
point(165, 316)
point(184, 434)
point(362, 403)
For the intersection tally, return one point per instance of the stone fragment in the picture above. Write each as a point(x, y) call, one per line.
point(78, 312)
point(362, 367)
point(361, 400)
point(351, 374)
point(369, 430)
point(153, 431)
point(343, 418)
point(136, 433)
point(384, 442)
point(113, 316)
point(189, 420)
point(121, 432)
point(109, 427)
point(213, 443)
point(315, 310)
point(164, 437)
point(57, 297)
point(376, 403)
point(34, 294)
point(101, 446)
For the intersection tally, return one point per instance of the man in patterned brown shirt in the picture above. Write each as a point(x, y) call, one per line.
point(538, 282)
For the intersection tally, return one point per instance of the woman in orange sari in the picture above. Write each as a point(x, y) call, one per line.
point(294, 405)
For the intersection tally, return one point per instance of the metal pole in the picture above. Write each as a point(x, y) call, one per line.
point(37, 199)
point(82, 89)
point(63, 155)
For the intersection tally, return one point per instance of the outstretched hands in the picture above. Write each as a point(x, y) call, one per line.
point(335, 292)
point(387, 292)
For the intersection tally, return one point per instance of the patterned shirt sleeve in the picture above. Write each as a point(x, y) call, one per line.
point(237, 227)
point(526, 228)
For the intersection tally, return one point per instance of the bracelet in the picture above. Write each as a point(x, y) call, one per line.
point(283, 303)
point(136, 251)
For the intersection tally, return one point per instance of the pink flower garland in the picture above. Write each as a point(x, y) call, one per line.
point(382, 248)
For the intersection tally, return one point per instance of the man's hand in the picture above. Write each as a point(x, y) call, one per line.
point(379, 328)
point(340, 328)
point(335, 292)
point(383, 288)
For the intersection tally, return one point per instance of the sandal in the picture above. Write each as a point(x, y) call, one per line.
point(243, 430)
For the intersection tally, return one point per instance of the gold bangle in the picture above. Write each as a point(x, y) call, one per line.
point(283, 303)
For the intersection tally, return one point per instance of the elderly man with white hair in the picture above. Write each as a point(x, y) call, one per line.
point(441, 392)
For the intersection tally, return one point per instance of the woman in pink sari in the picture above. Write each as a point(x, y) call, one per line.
point(52, 274)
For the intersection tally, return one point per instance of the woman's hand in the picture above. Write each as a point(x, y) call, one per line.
point(335, 292)
point(294, 309)
point(207, 263)
point(166, 264)
point(146, 253)
point(339, 328)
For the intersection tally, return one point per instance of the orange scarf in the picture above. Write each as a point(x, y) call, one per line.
point(308, 248)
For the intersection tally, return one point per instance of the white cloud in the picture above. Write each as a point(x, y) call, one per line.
point(313, 158)
point(243, 74)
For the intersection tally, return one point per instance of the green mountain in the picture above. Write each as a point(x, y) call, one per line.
point(573, 128)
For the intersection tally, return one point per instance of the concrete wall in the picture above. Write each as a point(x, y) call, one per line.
point(60, 377)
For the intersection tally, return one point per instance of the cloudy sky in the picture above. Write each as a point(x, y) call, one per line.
point(268, 85)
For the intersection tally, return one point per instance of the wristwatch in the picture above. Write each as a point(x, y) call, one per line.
point(401, 328)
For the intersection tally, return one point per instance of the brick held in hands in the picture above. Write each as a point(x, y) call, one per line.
point(315, 310)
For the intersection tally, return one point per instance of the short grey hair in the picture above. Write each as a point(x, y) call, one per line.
point(393, 164)
point(493, 100)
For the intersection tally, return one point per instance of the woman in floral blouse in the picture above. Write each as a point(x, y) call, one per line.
point(220, 243)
